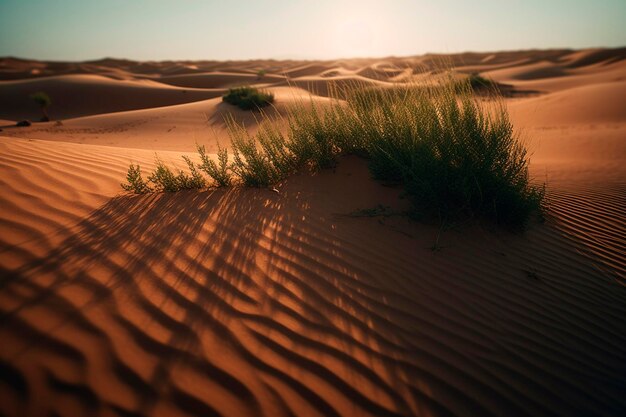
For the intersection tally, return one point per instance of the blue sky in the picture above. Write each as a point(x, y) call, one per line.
point(212, 29)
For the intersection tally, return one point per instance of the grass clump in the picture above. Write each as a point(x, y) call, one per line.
point(163, 178)
point(219, 171)
point(135, 182)
point(248, 98)
point(479, 83)
point(315, 135)
point(191, 181)
point(456, 155)
point(257, 166)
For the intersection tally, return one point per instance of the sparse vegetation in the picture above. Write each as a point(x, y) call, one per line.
point(479, 83)
point(219, 171)
point(256, 167)
point(43, 101)
point(248, 98)
point(135, 182)
point(163, 178)
point(193, 181)
point(456, 156)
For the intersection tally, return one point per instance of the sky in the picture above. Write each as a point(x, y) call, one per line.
point(74, 30)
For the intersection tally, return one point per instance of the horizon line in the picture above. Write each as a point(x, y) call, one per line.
point(294, 58)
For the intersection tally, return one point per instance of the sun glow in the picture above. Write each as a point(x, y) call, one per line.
point(356, 35)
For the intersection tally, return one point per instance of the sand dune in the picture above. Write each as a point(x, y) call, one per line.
point(218, 79)
point(177, 128)
point(590, 104)
point(82, 95)
point(573, 70)
point(324, 86)
point(307, 70)
point(595, 56)
point(261, 303)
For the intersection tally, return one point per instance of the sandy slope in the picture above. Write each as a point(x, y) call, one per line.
point(252, 302)
point(178, 127)
point(81, 95)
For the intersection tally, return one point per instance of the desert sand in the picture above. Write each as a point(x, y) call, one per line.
point(252, 302)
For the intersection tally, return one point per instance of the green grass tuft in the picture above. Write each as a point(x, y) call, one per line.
point(457, 156)
point(219, 171)
point(135, 182)
point(248, 98)
point(479, 83)
point(251, 163)
point(191, 181)
point(163, 178)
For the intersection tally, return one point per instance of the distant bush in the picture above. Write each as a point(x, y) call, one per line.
point(43, 101)
point(479, 83)
point(248, 98)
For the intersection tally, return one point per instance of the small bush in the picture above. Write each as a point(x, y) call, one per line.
point(456, 155)
point(251, 164)
point(163, 178)
point(479, 83)
point(314, 135)
point(193, 181)
point(219, 172)
point(274, 146)
point(248, 98)
point(135, 182)
point(43, 101)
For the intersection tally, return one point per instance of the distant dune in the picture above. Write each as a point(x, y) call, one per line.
point(257, 302)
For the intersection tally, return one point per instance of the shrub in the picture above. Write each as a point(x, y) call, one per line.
point(163, 178)
point(274, 146)
point(43, 101)
point(217, 171)
point(314, 135)
point(251, 164)
point(193, 181)
point(135, 182)
point(455, 155)
point(479, 83)
point(248, 98)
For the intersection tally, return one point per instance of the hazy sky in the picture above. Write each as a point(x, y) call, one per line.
point(242, 29)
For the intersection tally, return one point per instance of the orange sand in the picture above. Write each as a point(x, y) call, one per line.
point(257, 303)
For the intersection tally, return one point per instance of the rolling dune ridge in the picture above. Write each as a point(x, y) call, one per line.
point(252, 302)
